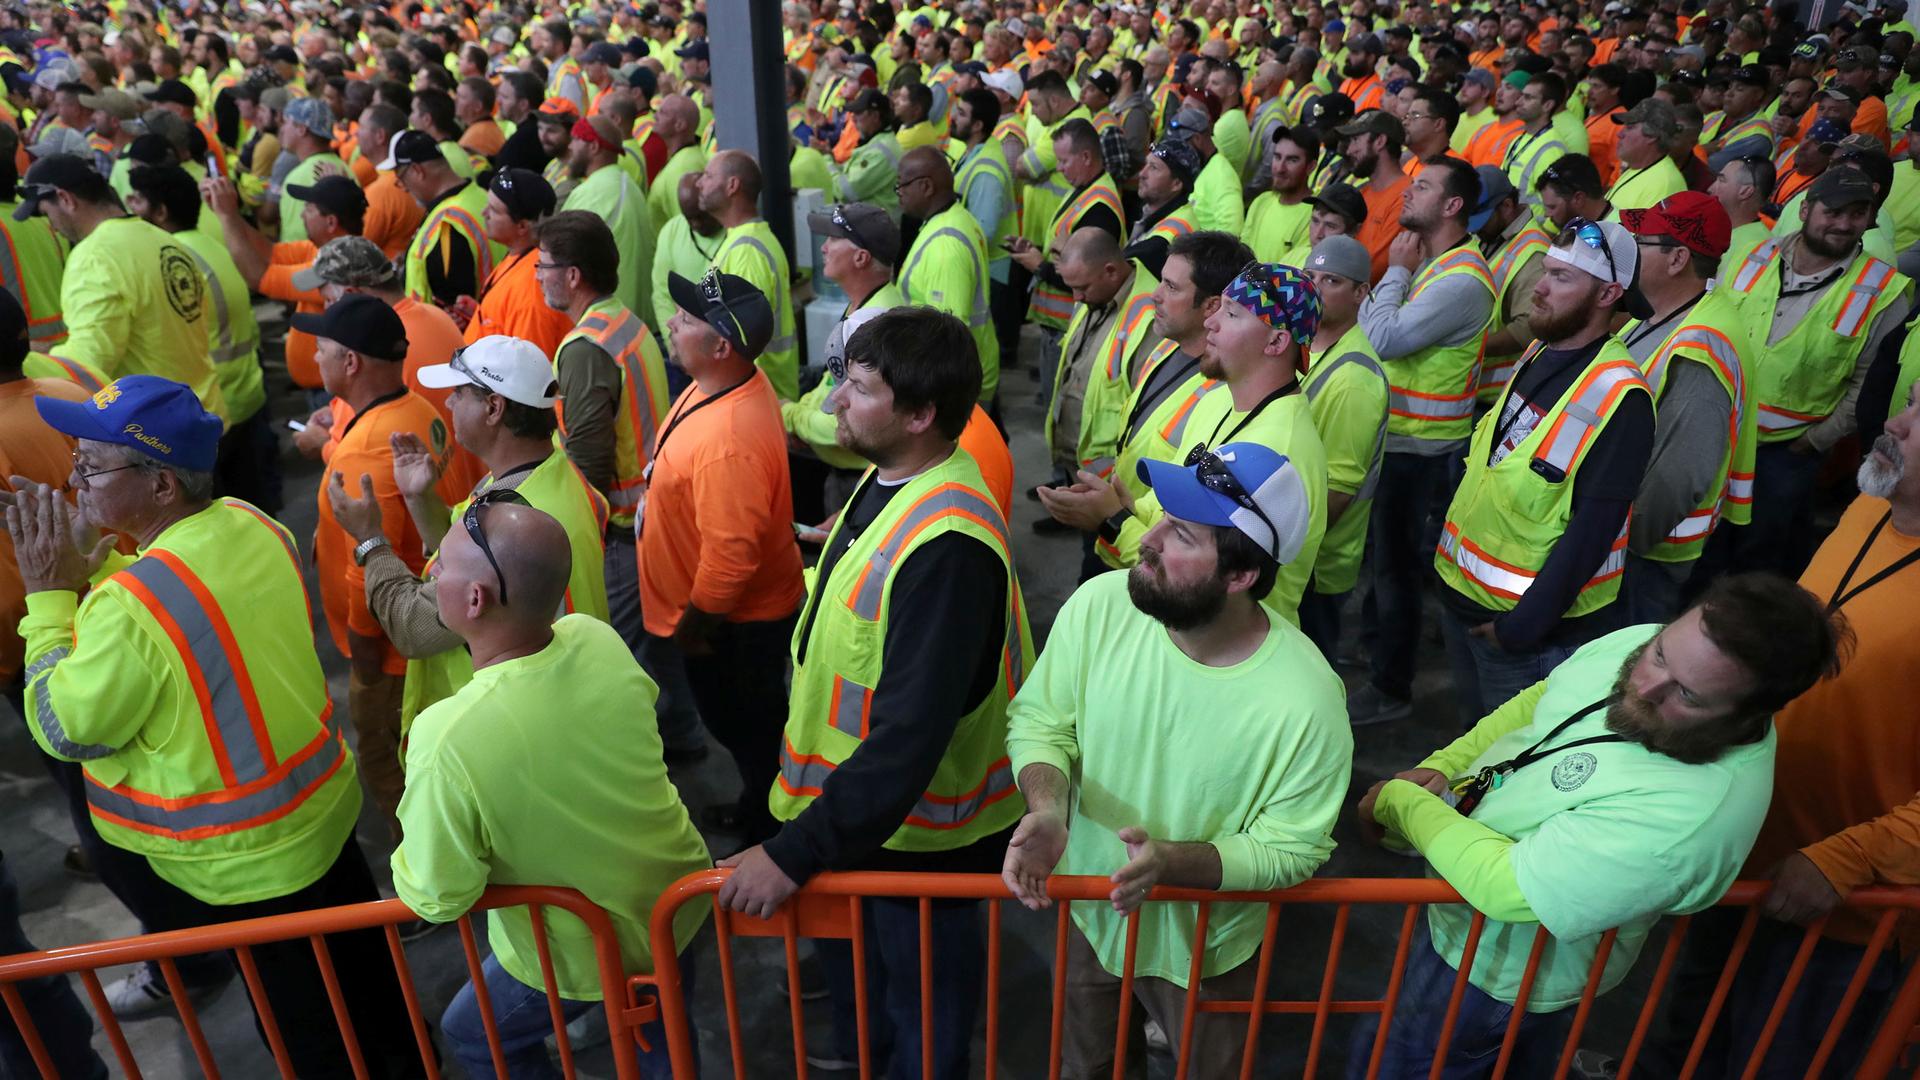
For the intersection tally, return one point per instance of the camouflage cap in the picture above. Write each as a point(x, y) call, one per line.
point(351, 261)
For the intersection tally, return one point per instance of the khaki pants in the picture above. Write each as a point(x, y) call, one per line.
point(375, 708)
point(1093, 1016)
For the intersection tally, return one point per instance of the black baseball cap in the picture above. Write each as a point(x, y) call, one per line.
point(366, 324)
point(283, 54)
point(333, 194)
point(525, 193)
point(58, 172)
point(1342, 199)
point(866, 225)
point(173, 92)
point(416, 148)
point(696, 50)
point(736, 309)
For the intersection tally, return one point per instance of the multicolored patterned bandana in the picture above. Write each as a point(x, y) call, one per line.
point(1281, 296)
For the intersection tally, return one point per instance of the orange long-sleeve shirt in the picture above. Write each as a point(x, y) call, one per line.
point(392, 216)
point(290, 257)
point(717, 529)
point(1846, 784)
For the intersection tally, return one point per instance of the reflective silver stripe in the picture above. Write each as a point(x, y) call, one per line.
point(942, 814)
point(784, 342)
point(802, 777)
point(196, 625)
point(51, 330)
point(850, 704)
point(1861, 297)
point(952, 499)
point(1016, 661)
point(49, 721)
point(977, 318)
point(1177, 436)
point(240, 811)
point(225, 348)
point(617, 343)
point(890, 151)
point(1318, 381)
point(1431, 406)
point(1755, 265)
point(1583, 414)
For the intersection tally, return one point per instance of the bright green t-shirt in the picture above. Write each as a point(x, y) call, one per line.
point(1252, 758)
point(1217, 201)
point(1274, 228)
point(1349, 408)
point(1607, 835)
point(499, 792)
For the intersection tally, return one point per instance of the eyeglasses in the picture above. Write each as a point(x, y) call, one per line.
point(1411, 117)
point(80, 470)
point(903, 185)
point(710, 284)
point(544, 267)
point(1213, 474)
point(471, 521)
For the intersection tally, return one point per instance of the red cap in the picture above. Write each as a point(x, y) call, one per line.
point(1694, 218)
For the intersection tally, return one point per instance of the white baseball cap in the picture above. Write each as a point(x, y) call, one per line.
point(837, 340)
point(1007, 82)
point(1609, 252)
point(509, 366)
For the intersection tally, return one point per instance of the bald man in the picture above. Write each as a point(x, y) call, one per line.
point(1269, 79)
point(730, 191)
point(482, 766)
point(947, 266)
point(676, 120)
point(686, 246)
point(1109, 337)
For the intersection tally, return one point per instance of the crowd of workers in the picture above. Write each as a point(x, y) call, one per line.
point(1565, 322)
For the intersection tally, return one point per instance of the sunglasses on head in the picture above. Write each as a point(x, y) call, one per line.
point(710, 291)
point(1591, 234)
point(1213, 474)
point(471, 521)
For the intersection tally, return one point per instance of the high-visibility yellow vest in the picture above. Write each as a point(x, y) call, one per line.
point(41, 366)
point(1053, 304)
point(252, 769)
point(460, 212)
point(1713, 336)
point(1798, 380)
point(751, 251)
point(233, 337)
point(1745, 129)
point(32, 260)
point(938, 236)
point(989, 159)
point(1337, 568)
point(1433, 389)
point(1157, 432)
point(1041, 197)
point(838, 653)
point(554, 487)
point(1505, 519)
point(643, 398)
point(1496, 371)
point(1103, 411)
point(1175, 225)
point(293, 226)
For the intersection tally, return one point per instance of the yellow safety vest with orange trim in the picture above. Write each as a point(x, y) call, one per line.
point(643, 398)
point(1801, 378)
point(1103, 409)
point(187, 686)
point(1716, 343)
point(460, 212)
point(33, 262)
point(1495, 371)
point(839, 657)
point(1432, 390)
point(1506, 518)
point(1156, 432)
point(1053, 304)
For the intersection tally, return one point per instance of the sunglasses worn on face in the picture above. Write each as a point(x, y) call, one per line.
point(471, 520)
point(1214, 475)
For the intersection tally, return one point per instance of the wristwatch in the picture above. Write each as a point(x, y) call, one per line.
point(367, 547)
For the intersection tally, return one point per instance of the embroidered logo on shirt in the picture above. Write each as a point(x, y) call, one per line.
point(1574, 770)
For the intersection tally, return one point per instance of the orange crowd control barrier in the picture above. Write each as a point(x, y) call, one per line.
point(241, 937)
point(830, 907)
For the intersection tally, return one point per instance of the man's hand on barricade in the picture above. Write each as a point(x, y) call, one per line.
point(1801, 893)
point(1032, 854)
point(360, 517)
point(1147, 863)
point(55, 548)
point(758, 886)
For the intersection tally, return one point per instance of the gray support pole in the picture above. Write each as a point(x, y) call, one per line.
point(750, 98)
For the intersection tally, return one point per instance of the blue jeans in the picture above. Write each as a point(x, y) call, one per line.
point(1486, 676)
point(524, 1022)
point(893, 981)
point(1809, 1014)
point(1478, 1031)
point(1780, 536)
point(1403, 542)
point(63, 1024)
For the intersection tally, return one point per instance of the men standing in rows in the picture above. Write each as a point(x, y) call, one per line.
point(117, 682)
point(1347, 395)
point(362, 351)
point(450, 254)
point(894, 750)
point(1818, 307)
point(510, 300)
point(1533, 547)
point(719, 569)
point(1166, 214)
point(946, 268)
point(730, 191)
point(605, 189)
point(1177, 732)
point(1429, 328)
point(1698, 362)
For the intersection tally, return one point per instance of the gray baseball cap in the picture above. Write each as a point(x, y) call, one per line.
point(1341, 255)
point(352, 261)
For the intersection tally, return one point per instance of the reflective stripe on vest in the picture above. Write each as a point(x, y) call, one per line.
point(1317, 381)
point(1725, 358)
point(221, 346)
point(1512, 582)
point(1172, 227)
point(79, 374)
point(617, 340)
point(1567, 439)
point(1139, 314)
point(979, 315)
point(49, 721)
point(938, 503)
point(1417, 405)
point(784, 342)
point(806, 774)
point(1755, 265)
point(1861, 296)
point(1068, 217)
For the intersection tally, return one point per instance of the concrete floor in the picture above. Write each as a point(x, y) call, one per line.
point(63, 910)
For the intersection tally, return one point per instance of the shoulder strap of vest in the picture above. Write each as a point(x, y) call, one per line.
point(1862, 295)
point(1755, 264)
point(944, 500)
point(1586, 411)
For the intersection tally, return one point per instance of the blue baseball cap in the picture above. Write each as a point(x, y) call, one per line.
point(1242, 486)
point(158, 417)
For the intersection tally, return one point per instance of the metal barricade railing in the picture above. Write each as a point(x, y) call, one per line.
point(623, 1016)
point(830, 907)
